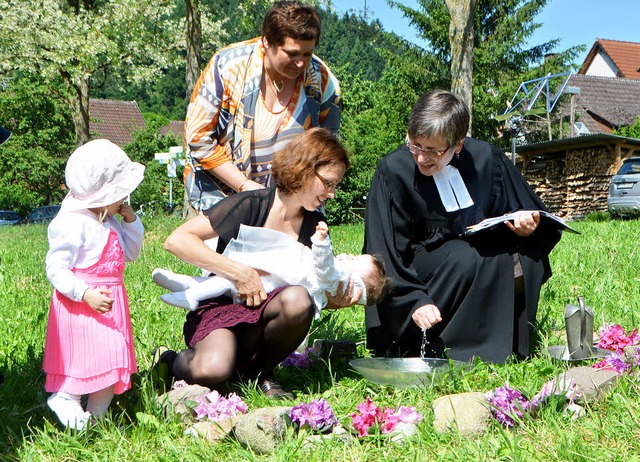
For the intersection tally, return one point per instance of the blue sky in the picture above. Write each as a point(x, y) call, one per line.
point(574, 22)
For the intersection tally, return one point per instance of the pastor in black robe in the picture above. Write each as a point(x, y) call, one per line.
point(469, 279)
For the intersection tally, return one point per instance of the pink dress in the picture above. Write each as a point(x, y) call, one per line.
point(86, 351)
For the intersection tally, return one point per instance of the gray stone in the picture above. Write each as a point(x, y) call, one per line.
point(214, 432)
point(575, 410)
point(593, 383)
point(338, 435)
point(263, 430)
point(630, 354)
point(176, 400)
point(403, 430)
point(469, 413)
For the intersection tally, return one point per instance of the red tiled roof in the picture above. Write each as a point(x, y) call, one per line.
point(176, 127)
point(625, 55)
point(604, 103)
point(114, 120)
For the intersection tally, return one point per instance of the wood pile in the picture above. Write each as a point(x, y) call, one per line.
point(574, 183)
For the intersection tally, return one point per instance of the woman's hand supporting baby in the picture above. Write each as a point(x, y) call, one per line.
point(250, 288)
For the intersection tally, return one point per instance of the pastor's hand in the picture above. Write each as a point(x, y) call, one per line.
point(426, 316)
point(524, 223)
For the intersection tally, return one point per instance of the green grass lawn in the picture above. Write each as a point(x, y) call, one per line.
point(601, 265)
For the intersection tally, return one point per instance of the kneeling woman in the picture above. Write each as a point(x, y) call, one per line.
point(253, 337)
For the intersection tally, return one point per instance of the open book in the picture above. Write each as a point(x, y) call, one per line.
point(489, 223)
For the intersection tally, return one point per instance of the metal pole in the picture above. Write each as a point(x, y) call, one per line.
point(572, 115)
point(513, 147)
point(170, 193)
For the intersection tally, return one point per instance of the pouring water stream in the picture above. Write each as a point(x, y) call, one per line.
point(425, 342)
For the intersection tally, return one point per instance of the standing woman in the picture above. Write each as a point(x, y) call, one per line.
point(252, 99)
point(251, 338)
point(478, 296)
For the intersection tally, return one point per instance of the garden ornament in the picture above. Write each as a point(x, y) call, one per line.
point(579, 324)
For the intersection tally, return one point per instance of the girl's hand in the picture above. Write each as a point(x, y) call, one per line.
point(426, 316)
point(345, 296)
point(524, 223)
point(127, 213)
point(97, 299)
point(250, 288)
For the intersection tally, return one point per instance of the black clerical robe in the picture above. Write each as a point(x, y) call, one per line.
point(470, 279)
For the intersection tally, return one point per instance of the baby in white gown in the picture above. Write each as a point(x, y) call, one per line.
point(286, 262)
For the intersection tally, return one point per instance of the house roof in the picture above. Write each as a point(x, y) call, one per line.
point(114, 120)
point(624, 55)
point(176, 127)
point(604, 103)
point(582, 141)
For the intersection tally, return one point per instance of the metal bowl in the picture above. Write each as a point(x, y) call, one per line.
point(561, 353)
point(406, 372)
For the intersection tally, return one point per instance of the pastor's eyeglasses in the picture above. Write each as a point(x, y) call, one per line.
point(415, 150)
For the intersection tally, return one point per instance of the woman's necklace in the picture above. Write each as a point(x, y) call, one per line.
point(278, 85)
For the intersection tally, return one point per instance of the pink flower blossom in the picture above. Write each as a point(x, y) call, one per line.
point(568, 388)
point(317, 415)
point(613, 362)
point(371, 416)
point(213, 406)
point(179, 384)
point(614, 338)
point(367, 416)
point(507, 405)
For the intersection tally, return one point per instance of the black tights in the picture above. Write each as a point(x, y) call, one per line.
point(282, 327)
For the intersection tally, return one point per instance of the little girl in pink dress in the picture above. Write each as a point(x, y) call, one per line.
point(89, 344)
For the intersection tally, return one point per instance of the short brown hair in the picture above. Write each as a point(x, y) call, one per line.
point(299, 160)
point(291, 19)
point(378, 283)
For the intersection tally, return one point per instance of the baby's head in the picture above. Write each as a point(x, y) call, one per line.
point(372, 272)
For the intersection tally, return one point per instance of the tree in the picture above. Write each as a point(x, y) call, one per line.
point(500, 59)
point(32, 161)
point(461, 41)
point(194, 44)
point(631, 131)
point(73, 41)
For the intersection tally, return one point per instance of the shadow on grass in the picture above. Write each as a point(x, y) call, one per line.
point(24, 411)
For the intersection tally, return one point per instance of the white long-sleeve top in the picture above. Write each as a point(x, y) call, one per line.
point(77, 240)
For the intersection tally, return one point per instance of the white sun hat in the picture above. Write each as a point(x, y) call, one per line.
point(98, 174)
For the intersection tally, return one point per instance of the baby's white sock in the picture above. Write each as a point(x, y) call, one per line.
point(68, 409)
point(180, 299)
point(173, 281)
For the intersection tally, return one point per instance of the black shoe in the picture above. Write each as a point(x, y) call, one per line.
point(162, 368)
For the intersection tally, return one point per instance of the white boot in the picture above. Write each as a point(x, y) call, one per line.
point(69, 411)
point(180, 299)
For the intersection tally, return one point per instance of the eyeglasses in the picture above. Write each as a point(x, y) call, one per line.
point(331, 187)
point(415, 150)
